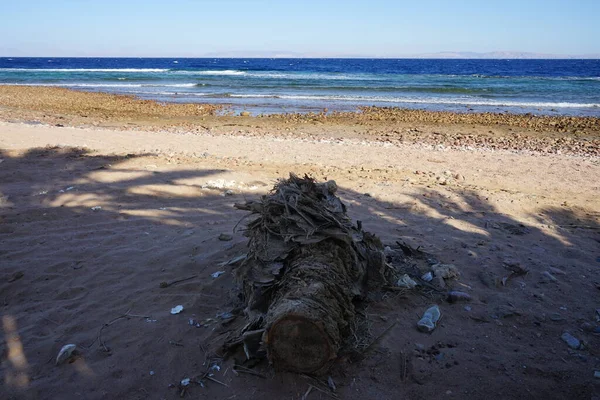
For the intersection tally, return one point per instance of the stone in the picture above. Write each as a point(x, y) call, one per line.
point(446, 271)
point(556, 317)
point(556, 271)
point(571, 341)
point(455, 296)
point(438, 281)
point(225, 237)
point(548, 277)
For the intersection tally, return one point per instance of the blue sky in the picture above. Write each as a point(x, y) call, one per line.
point(384, 28)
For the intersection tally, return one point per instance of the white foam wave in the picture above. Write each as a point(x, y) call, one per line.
point(84, 69)
point(228, 72)
point(317, 76)
point(243, 96)
point(401, 100)
point(104, 85)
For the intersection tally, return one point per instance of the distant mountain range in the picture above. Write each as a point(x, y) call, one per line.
point(513, 55)
point(12, 52)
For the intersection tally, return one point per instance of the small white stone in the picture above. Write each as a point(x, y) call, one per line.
point(176, 309)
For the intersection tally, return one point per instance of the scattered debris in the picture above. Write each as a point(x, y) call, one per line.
point(456, 296)
point(446, 271)
point(331, 384)
point(151, 373)
point(96, 208)
point(238, 368)
point(548, 277)
point(185, 382)
point(428, 277)
point(233, 261)
point(307, 261)
point(557, 271)
point(597, 374)
point(516, 270)
point(429, 320)
point(217, 274)
point(406, 281)
point(225, 315)
point(571, 341)
point(65, 353)
point(167, 284)
point(176, 309)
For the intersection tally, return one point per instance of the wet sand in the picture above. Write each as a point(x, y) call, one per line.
point(96, 213)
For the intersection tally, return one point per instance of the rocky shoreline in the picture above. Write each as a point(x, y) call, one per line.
point(494, 131)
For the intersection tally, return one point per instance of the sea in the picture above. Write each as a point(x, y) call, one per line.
point(285, 85)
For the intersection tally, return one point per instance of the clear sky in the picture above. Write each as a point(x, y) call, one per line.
point(384, 28)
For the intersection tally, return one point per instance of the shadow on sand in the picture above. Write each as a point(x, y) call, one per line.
point(94, 235)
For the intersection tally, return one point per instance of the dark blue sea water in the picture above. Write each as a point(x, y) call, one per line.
point(570, 87)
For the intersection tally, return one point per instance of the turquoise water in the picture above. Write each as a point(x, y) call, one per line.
point(567, 87)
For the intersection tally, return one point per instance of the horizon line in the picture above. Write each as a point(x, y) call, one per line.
point(547, 57)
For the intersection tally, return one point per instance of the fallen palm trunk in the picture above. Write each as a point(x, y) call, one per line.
point(306, 264)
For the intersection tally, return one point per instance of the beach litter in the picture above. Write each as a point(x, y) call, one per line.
point(429, 320)
point(406, 281)
point(176, 309)
point(217, 274)
point(96, 208)
point(65, 353)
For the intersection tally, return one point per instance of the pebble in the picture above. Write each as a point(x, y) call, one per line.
point(571, 341)
point(429, 320)
point(446, 271)
point(176, 309)
point(547, 276)
point(556, 317)
point(225, 237)
point(456, 296)
point(587, 327)
point(557, 271)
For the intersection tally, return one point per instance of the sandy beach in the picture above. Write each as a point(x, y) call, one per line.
point(103, 198)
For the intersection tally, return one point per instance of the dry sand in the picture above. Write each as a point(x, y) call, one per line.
point(164, 197)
